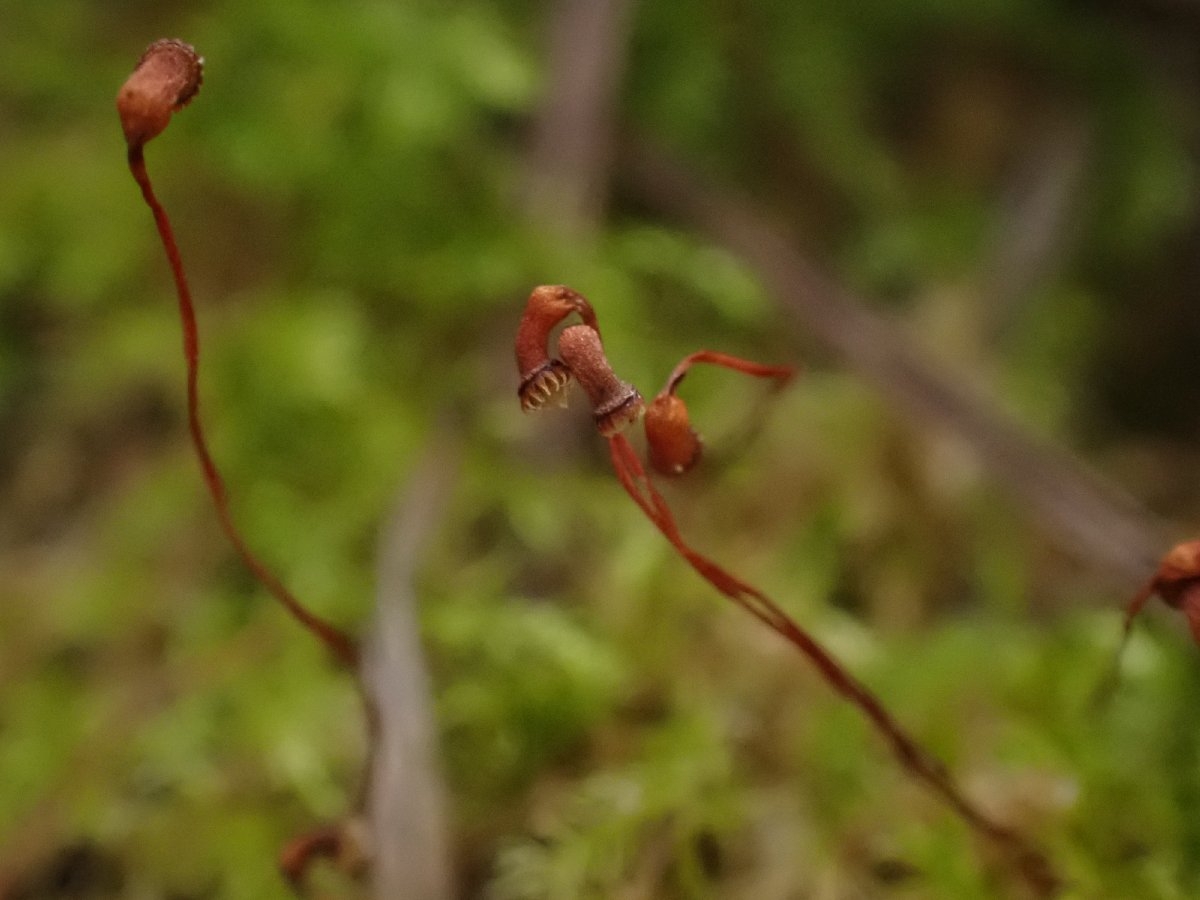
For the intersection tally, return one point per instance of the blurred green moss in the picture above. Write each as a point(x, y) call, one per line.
point(344, 189)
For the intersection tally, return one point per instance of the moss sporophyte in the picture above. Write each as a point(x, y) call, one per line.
point(165, 80)
point(674, 448)
point(169, 75)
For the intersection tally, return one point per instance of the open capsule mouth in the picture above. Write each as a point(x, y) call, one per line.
point(543, 384)
point(618, 415)
point(190, 63)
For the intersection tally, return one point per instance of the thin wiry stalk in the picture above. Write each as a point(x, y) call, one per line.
point(913, 758)
point(781, 374)
point(344, 649)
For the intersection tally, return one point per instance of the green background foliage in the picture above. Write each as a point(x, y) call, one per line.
point(346, 190)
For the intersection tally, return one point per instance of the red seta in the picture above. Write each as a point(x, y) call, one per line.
point(673, 448)
point(166, 78)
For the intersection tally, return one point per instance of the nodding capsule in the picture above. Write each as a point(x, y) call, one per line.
point(616, 404)
point(166, 78)
point(674, 446)
point(1181, 561)
point(543, 378)
point(1178, 574)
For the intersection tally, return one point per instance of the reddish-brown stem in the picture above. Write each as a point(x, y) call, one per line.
point(1177, 582)
point(913, 758)
point(344, 649)
point(1112, 678)
point(782, 374)
point(1140, 599)
point(341, 844)
point(300, 853)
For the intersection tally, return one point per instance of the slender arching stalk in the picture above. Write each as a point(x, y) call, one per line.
point(166, 78)
point(674, 448)
point(915, 759)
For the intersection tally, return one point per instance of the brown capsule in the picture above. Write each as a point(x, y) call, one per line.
point(616, 404)
point(165, 79)
point(543, 378)
point(1178, 573)
point(1177, 582)
point(674, 446)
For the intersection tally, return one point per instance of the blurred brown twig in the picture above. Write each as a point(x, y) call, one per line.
point(404, 794)
point(1081, 512)
point(571, 159)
